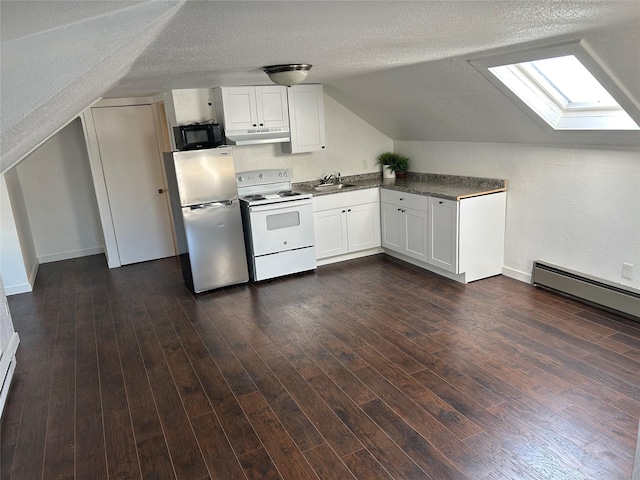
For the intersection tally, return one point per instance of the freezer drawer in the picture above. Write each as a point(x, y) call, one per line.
point(215, 244)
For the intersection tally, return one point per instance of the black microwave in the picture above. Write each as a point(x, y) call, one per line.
point(191, 137)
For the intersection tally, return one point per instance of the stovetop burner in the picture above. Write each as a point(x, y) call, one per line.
point(255, 196)
point(288, 193)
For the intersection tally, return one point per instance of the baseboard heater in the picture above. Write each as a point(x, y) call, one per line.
point(594, 291)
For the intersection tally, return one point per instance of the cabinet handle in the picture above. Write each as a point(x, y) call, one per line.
point(399, 209)
point(253, 125)
point(440, 203)
point(262, 124)
point(161, 191)
point(401, 198)
point(349, 210)
point(344, 211)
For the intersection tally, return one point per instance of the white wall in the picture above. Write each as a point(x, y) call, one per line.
point(575, 207)
point(18, 261)
point(60, 198)
point(352, 143)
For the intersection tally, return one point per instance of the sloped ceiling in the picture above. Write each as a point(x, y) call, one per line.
point(402, 66)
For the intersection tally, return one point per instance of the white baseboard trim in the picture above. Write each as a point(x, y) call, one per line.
point(349, 256)
point(17, 289)
point(516, 274)
point(32, 274)
point(56, 257)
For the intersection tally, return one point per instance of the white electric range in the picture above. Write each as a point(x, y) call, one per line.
point(278, 224)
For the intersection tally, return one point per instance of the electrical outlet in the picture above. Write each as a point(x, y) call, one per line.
point(627, 270)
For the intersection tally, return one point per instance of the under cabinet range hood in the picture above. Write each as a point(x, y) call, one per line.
point(257, 136)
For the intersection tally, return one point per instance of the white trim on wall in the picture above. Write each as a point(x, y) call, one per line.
point(102, 197)
point(515, 274)
point(56, 257)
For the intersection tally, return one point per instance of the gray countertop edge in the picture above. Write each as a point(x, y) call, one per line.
point(450, 187)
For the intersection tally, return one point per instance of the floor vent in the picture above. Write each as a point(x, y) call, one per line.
point(618, 298)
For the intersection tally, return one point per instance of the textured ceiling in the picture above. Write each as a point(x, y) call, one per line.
point(399, 65)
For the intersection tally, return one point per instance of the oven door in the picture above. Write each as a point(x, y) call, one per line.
point(281, 226)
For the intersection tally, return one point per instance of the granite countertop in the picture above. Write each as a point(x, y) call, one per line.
point(451, 187)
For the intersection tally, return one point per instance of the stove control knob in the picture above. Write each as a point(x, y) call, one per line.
point(240, 179)
point(260, 176)
point(286, 174)
point(279, 174)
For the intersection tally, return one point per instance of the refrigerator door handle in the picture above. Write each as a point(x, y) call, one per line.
point(222, 203)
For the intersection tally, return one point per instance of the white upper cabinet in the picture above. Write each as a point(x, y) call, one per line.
point(245, 108)
point(306, 114)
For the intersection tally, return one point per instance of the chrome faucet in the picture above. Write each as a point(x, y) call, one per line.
point(327, 179)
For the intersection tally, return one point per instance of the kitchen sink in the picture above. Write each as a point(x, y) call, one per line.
point(329, 187)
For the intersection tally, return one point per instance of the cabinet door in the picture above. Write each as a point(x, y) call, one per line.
point(239, 106)
point(363, 227)
point(443, 239)
point(271, 105)
point(391, 221)
point(415, 233)
point(306, 114)
point(331, 232)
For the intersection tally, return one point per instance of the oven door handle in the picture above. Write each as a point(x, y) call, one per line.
point(279, 206)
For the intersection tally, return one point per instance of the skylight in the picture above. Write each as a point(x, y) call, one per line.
point(562, 85)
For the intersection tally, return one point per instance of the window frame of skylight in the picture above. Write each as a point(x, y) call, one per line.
point(556, 116)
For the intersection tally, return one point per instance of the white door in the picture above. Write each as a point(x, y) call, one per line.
point(132, 167)
point(443, 241)
point(415, 233)
point(331, 232)
point(363, 226)
point(391, 218)
point(239, 105)
point(272, 107)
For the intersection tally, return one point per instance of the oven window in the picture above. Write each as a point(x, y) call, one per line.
point(283, 220)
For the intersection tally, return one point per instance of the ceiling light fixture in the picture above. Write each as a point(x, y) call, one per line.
point(287, 75)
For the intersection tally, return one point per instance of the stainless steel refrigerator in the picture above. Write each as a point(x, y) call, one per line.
point(207, 219)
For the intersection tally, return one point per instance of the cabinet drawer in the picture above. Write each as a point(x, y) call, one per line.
point(403, 199)
point(342, 199)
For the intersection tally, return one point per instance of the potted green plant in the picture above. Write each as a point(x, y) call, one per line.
point(393, 164)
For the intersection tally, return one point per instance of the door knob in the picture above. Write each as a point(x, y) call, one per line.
point(161, 191)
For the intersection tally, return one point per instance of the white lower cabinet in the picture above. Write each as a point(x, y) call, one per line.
point(443, 237)
point(346, 223)
point(404, 223)
point(464, 238)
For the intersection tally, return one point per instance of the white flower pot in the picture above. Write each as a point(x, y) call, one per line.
point(387, 172)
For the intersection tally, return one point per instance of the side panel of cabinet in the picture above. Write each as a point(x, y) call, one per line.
point(443, 238)
point(363, 226)
point(482, 229)
point(331, 232)
point(306, 114)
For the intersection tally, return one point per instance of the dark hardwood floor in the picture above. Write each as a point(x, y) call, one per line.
point(368, 369)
